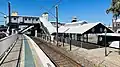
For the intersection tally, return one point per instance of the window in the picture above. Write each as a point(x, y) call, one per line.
point(32, 18)
point(29, 18)
point(73, 36)
point(100, 38)
point(14, 18)
point(93, 30)
point(114, 25)
point(78, 38)
point(118, 24)
point(37, 19)
point(25, 18)
point(118, 31)
point(101, 30)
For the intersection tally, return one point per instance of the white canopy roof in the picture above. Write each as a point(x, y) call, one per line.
point(82, 28)
point(76, 27)
point(63, 29)
point(68, 26)
point(48, 25)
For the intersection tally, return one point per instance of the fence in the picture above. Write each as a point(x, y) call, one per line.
point(80, 58)
point(45, 37)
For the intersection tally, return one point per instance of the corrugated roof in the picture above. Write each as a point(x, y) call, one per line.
point(81, 28)
point(67, 26)
point(62, 29)
point(77, 27)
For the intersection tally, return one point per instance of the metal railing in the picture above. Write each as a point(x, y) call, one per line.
point(45, 37)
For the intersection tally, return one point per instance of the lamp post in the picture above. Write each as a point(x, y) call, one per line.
point(119, 47)
point(70, 38)
point(105, 30)
point(63, 39)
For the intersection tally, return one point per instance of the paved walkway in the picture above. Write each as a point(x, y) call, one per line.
point(95, 56)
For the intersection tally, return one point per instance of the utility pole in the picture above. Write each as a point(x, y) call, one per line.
point(57, 22)
point(9, 12)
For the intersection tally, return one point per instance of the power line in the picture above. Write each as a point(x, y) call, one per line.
point(55, 4)
point(2, 21)
point(2, 13)
point(49, 11)
point(2, 16)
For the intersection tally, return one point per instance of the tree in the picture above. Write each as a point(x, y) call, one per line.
point(115, 9)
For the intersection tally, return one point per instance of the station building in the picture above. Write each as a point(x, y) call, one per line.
point(82, 31)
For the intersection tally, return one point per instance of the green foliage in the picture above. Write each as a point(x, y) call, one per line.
point(114, 8)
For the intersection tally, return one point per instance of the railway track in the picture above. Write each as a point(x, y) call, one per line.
point(59, 59)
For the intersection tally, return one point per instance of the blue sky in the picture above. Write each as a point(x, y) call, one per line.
point(89, 10)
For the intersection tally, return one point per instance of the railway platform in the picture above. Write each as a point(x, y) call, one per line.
point(24, 52)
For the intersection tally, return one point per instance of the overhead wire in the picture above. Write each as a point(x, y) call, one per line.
point(49, 10)
point(55, 4)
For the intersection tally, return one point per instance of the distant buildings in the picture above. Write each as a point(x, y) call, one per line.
point(116, 25)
